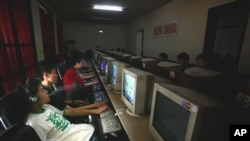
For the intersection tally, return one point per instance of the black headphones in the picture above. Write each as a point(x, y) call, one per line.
point(32, 98)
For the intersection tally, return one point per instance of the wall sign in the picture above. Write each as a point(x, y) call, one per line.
point(166, 29)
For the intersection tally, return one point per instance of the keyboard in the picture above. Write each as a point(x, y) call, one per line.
point(109, 121)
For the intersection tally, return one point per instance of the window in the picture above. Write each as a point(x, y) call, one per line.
point(17, 49)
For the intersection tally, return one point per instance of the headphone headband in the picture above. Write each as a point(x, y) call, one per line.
point(28, 92)
point(26, 89)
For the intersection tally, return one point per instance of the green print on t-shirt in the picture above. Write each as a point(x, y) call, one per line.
point(58, 120)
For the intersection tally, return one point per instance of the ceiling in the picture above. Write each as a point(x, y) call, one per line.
point(81, 10)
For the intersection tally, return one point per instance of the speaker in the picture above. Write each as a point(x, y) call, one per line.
point(32, 98)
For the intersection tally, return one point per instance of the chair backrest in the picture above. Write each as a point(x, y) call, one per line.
point(4, 110)
point(78, 92)
point(10, 110)
point(57, 98)
point(61, 68)
point(19, 132)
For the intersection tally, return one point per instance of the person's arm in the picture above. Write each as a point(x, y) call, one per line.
point(87, 84)
point(93, 106)
point(81, 112)
point(87, 76)
point(78, 102)
point(89, 73)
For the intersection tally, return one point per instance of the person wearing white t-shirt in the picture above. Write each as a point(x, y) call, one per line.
point(48, 121)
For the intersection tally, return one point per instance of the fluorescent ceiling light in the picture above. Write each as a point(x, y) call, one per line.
point(102, 18)
point(108, 7)
point(100, 31)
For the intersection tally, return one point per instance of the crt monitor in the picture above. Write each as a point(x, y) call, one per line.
point(116, 75)
point(167, 64)
point(136, 61)
point(201, 72)
point(107, 64)
point(148, 60)
point(183, 114)
point(95, 55)
point(98, 55)
point(137, 90)
point(101, 62)
point(208, 81)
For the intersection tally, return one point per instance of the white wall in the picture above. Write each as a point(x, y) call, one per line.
point(87, 37)
point(192, 18)
point(114, 36)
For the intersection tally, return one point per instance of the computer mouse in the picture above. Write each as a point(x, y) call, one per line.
point(109, 137)
point(114, 134)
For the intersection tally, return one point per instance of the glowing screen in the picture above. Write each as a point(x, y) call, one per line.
point(106, 68)
point(129, 88)
point(113, 74)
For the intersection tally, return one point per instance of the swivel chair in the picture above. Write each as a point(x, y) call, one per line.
point(19, 132)
point(61, 68)
point(10, 110)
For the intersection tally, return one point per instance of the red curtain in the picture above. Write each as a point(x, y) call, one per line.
point(17, 51)
point(48, 35)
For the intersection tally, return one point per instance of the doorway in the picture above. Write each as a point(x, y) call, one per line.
point(139, 42)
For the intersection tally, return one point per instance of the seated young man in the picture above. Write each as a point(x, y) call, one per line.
point(47, 73)
point(163, 57)
point(71, 76)
point(48, 76)
point(202, 61)
point(86, 71)
point(86, 66)
point(183, 59)
point(47, 120)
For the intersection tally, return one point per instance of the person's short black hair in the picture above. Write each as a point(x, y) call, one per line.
point(76, 59)
point(31, 84)
point(203, 57)
point(183, 56)
point(42, 67)
point(163, 55)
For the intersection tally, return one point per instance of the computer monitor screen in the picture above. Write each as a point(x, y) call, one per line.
point(136, 90)
point(113, 74)
point(129, 88)
point(107, 68)
point(101, 65)
point(95, 56)
point(116, 75)
point(176, 119)
point(182, 114)
point(99, 55)
point(101, 62)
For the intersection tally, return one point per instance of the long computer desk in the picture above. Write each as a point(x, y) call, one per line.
point(136, 128)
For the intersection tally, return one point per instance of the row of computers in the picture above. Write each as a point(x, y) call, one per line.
point(176, 113)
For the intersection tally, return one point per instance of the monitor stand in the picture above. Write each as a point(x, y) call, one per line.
point(117, 91)
point(132, 114)
point(109, 86)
